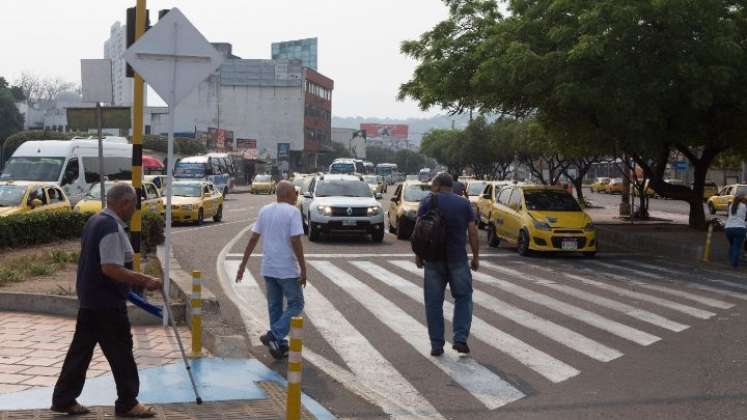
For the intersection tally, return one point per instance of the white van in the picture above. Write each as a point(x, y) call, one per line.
point(71, 164)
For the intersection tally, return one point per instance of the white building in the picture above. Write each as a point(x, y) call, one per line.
point(114, 47)
point(344, 136)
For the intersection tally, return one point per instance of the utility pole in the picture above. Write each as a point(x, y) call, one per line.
point(137, 141)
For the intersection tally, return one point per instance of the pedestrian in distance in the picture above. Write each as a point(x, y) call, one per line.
point(280, 229)
point(736, 228)
point(452, 267)
point(103, 281)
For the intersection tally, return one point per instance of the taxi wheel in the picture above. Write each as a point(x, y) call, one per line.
point(402, 232)
point(493, 240)
point(523, 243)
point(711, 208)
point(218, 215)
point(378, 236)
point(200, 217)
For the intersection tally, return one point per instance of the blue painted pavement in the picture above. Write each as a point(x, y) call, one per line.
point(217, 380)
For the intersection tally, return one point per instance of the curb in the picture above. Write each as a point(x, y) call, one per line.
point(66, 306)
point(216, 343)
point(638, 242)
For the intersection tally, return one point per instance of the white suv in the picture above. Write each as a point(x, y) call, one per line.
point(342, 203)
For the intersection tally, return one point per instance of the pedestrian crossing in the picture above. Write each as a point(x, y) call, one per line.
point(537, 322)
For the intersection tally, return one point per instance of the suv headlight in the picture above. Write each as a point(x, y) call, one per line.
point(541, 225)
point(589, 227)
point(374, 210)
point(187, 207)
point(325, 210)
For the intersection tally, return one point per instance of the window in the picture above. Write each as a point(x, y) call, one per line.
point(504, 195)
point(488, 190)
point(550, 201)
point(115, 168)
point(206, 190)
point(151, 191)
point(515, 201)
point(55, 195)
point(72, 172)
point(33, 169)
point(37, 194)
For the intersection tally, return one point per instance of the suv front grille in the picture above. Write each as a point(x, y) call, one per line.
point(343, 211)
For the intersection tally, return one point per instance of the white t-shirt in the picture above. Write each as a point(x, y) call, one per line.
point(737, 220)
point(276, 224)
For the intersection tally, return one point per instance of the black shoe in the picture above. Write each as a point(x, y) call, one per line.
point(437, 352)
point(272, 344)
point(461, 347)
point(284, 349)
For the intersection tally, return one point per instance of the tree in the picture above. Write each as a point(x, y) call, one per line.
point(408, 161)
point(338, 151)
point(503, 146)
point(445, 147)
point(538, 153)
point(378, 155)
point(42, 92)
point(11, 120)
point(649, 77)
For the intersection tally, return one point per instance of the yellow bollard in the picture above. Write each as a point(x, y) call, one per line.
point(196, 314)
point(295, 366)
point(707, 250)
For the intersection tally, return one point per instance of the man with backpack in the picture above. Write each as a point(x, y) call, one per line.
point(439, 241)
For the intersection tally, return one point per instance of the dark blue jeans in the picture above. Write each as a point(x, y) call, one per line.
point(277, 289)
point(736, 241)
point(459, 278)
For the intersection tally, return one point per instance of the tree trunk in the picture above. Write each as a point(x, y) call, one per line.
point(578, 183)
point(642, 201)
point(697, 213)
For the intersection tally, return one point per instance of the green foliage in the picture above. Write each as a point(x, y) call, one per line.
point(152, 232)
point(39, 228)
point(338, 151)
point(18, 269)
point(182, 146)
point(446, 147)
point(11, 120)
point(376, 155)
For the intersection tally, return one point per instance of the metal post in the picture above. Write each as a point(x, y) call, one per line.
point(137, 143)
point(707, 249)
point(101, 155)
point(170, 177)
point(196, 314)
point(295, 367)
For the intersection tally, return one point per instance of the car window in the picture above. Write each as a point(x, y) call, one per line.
point(72, 171)
point(475, 188)
point(504, 195)
point(151, 190)
point(515, 201)
point(23, 168)
point(263, 178)
point(550, 201)
point(397, 192)
point(205, 190)
point(488, 190)
point(186, 190)
point(55, 195)
point(416, 192)
point(38, 194)
point(11, 195)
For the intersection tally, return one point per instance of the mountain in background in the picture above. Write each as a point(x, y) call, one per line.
point(418, 126)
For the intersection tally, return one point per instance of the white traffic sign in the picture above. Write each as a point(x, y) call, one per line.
point(173, 57)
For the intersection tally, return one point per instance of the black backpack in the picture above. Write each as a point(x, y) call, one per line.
point(428, 238)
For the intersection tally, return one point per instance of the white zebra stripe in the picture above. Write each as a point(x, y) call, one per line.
point(613, 327)
point(484, 385)
point(680, 273)
point(542, 363)
point(629, 310)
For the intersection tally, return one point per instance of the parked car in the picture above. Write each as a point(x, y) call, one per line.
point(21, 197)
point(150, 199)
point(709, 190)
point(263, 184)
point(195, 201)
point(615, 186)
point(600, 185)
point(541, 218)
point(721, 201)
point(403, 211)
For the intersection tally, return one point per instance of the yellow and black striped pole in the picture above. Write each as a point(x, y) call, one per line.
point(295, 366)
point(137, 142)
point(196, 314)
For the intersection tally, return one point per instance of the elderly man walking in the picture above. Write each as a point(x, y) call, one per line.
point(104, 279)
point(453, 269)
point(280, 228)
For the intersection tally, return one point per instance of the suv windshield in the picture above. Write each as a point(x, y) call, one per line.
point(416, 192)
point(22, 168)
point(187, 190)
point(11, 195)
point(476, 188)
point(550, 201)
point(342, 189)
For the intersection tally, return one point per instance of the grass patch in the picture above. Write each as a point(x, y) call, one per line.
point(18, 269)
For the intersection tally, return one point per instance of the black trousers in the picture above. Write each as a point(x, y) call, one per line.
point(110, 329)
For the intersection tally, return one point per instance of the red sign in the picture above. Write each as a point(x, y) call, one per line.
point(383, 131)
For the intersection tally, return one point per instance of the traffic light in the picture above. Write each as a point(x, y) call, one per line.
point(131, 17)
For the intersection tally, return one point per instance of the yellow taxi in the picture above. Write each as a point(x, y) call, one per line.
point(150, 199)
point(485, 203)
point(375, 183)
point(195, 201)
point(615, 186)
point(404, 208)
point(721, 201)
point(600, 185)
point(541, 218)
point(709, 190)
point(20, 197)
point(263, 184)
point(474, 190)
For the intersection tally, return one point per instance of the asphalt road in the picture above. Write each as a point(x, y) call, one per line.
point(621, 336)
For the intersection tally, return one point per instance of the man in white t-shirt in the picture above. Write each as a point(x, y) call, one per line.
point(280, 228)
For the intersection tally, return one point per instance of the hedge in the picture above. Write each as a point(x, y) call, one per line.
point(39, 228)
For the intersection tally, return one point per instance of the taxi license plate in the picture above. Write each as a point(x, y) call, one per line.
point(349, 223)
point(569, 245)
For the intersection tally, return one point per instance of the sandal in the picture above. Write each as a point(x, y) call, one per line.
point(73, 409)
point(139, 412)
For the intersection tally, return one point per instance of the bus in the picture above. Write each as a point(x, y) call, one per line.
point(73, 165)
point(387, 170)
point(347, 166)
point(211, 167)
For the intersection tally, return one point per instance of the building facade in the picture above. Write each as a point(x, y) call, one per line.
point(114, 47)
point(305, 50)
point(346, 137)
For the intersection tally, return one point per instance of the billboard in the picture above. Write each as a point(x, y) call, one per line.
point(391, 131)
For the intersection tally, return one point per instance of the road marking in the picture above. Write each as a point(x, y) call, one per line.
point(679, 273)
point(210, 226)
point(629, 310)
point(253, 297)
point(613, 327)
point(733, 294)
point(542, 363)
point(368, 255)
point(483, 384)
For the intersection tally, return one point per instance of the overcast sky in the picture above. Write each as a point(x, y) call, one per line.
point(359, 40)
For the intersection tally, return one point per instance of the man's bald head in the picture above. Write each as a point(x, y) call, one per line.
point(286, 192)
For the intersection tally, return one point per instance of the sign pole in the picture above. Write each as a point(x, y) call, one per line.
point(101, 154)
point(170, 178)
point(137, 143)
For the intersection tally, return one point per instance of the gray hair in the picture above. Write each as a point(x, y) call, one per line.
point(120, 192)
point(443, 179)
